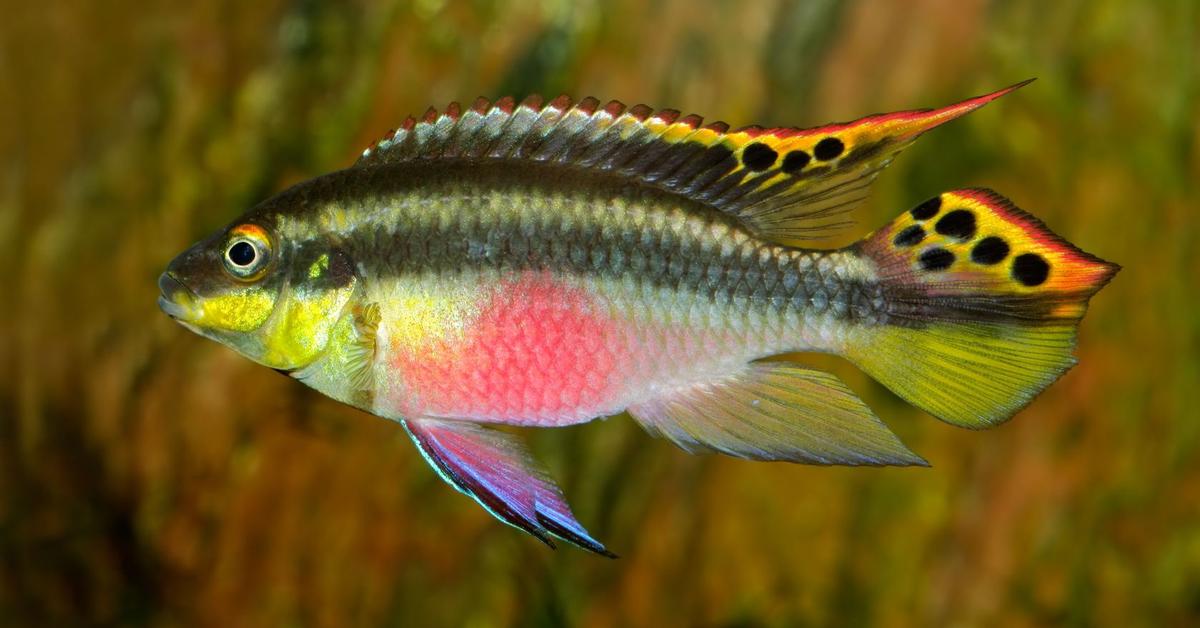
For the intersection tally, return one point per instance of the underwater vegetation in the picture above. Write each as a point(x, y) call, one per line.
point(151, 477)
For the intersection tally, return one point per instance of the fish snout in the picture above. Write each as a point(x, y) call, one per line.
point(175, 299)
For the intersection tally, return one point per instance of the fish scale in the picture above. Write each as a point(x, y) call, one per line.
point(549, 263)
point(567, 234)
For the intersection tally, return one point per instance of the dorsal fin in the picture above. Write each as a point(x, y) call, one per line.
point(785, 184)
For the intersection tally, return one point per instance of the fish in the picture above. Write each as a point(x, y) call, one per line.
point(544, 264)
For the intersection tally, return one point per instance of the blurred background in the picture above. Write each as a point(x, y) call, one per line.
point(150, 477)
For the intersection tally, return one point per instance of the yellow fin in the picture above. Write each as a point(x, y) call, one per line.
point(983, 305)
point(776, 411)
point(970, 374)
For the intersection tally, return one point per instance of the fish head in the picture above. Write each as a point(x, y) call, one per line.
point(272, 296)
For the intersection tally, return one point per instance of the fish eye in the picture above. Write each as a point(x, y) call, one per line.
point(247, 252)
point(242, 254)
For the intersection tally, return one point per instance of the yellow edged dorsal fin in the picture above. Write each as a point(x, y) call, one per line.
point(785, 184)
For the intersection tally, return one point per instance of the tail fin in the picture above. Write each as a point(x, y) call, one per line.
point(983, 303)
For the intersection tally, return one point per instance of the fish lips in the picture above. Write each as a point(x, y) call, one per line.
point(175, 299)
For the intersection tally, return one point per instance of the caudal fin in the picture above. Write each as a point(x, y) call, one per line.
point(983, 305)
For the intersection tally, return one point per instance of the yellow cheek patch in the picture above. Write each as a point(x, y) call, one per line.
point(244, 310)
point(300, 330)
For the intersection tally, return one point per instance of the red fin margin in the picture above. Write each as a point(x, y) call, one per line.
point(785, 184)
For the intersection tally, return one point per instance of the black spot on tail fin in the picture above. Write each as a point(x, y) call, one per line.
point(980, 319)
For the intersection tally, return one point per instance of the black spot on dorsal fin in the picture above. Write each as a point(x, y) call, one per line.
point(786, 184)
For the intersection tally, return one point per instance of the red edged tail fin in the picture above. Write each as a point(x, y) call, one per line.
point(974, 243)
point(983, 304)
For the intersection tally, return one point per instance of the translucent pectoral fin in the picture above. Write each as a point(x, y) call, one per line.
point(497, 471)
point(776, 411)
point(361, 353)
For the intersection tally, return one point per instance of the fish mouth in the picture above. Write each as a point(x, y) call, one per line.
point(174, 297)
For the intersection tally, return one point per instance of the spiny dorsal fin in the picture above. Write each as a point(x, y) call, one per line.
point(786, 184)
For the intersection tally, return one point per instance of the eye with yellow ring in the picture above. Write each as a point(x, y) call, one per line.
point(247, 252)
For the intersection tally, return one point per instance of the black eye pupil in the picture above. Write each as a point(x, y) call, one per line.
point(242, 254)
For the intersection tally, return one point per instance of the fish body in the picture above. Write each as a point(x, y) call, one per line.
point(546, 265)
point(506, 299)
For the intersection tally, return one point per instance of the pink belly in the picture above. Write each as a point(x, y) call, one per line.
point(537, 351)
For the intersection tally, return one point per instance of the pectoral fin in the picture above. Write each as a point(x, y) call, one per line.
point(361, 354)
point(776, 411)
point(497, 471)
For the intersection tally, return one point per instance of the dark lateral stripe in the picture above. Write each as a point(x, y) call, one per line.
point(666, 259)
point(565, 230)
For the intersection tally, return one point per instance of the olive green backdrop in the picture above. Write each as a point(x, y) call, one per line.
point(149, 477)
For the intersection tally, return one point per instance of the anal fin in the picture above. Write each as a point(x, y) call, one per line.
point(776, 411)
point(497, 471)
